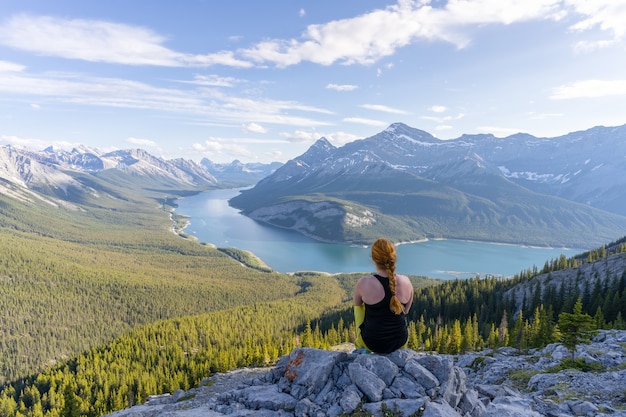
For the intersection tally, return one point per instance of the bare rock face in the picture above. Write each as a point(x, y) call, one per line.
point(314, 382)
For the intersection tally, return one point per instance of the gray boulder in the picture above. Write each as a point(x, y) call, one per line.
point(318, 383)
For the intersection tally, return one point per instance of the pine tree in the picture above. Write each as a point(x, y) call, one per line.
point(519, 332)
point(307, 336)
point(503, 330)
point(492, 339)
point(71, 407)
point(576, 328)
point(598, 318)
point(455, 338)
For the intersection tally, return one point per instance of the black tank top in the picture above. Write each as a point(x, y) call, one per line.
point(382, 330)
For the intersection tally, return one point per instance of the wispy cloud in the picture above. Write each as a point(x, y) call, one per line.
point(590, 89)
point(438, 109)
point(142, 142)
point(342, 87)
point(608, 15)
point(253, 128)
point(6, 66)
point(213, 105)
point(442, 119)
point(101, 41)
point(213, 80)
point(301, 136)
point(336, 138)
point(544, 116)
point(219, 148)
point(367, 38)
point(364, 39)
point(386, 109)
point(228, 148)
point(363, 121)
point(36, 143)
point(499, 131)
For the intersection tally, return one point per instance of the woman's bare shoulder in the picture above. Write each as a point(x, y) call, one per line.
point(404, 279)
point(366, 278)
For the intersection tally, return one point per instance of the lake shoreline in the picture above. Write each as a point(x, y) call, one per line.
point(209, 219)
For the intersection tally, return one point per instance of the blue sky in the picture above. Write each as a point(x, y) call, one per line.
point(262, 81)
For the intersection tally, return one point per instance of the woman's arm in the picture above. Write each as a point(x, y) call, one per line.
point(407, 292)
point(358, 296)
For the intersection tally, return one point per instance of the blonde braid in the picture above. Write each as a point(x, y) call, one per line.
point(384, 255)
point(395, 305)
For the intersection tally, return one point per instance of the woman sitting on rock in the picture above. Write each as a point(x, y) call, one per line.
point(381, 303)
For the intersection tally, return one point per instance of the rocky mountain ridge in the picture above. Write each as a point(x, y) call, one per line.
point(568, 166)
point(519, 189)
point(57, 173)
point(239, 174)
point(503, 383)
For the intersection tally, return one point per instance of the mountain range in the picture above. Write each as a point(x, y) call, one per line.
point(402, 182)
point(405, 183)
point(67, 178)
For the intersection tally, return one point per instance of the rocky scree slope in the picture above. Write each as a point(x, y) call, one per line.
point(313, 382)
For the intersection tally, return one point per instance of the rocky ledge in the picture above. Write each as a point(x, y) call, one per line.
point(503, 383)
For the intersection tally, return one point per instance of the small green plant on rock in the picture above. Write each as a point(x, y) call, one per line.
point(579, 364)
point(478, 363)
point(521, 377)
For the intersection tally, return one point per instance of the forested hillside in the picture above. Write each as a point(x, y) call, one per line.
point(448, 317)
point(73, 277)
point(106, 301)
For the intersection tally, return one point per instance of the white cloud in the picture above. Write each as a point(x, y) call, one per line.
point(35, 143)
point(438, 109)
point(590, 46)
point(443, 119)
point(275, 155)
point(253, 128)
point(301, 136)
point(499, 131)
point(101, 41)
point(222, 149)
point(342, 87)
point(211, 104)
point(336, 138)
point(544, 116)
point(590, 89)
point(213, 80)
point(609, 15)
point(386, 109)
point(302, 12)
point(341, 138)
point(35, 106)
point(364, 39)
point(363, 121)
point(6, 66)
point(142, 142)
point(367, 38)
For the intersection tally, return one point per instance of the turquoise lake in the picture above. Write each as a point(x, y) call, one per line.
point(212, 220)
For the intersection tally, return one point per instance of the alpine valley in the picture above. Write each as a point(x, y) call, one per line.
point(405, 183)
point(105, 301)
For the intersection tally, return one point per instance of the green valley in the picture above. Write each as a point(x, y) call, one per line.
point(104, 300)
